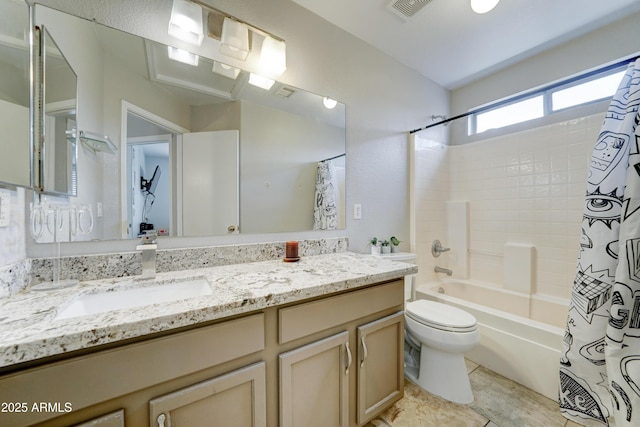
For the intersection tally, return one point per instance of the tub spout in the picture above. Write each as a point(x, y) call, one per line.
point(443, 270)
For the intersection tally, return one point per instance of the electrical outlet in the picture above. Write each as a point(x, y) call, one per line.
point(357, 211)
point(5, 208)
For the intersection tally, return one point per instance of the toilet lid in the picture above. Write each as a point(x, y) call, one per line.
point(441, 316)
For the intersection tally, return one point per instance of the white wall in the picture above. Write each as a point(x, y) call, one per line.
point(384, 99)
point(279, 159)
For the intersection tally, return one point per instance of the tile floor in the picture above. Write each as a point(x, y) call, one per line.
point(498, 402)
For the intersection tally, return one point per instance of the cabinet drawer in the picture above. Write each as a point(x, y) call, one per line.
point(308, 318)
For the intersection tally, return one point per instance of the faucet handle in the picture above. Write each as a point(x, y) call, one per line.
point(437, 248)
point(149, 237)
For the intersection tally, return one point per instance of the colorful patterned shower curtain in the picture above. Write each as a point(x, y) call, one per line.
point(325, 211)
point(600, 361)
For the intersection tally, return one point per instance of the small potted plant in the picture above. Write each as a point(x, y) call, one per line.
point(384, 246)
point(394, 244)
point(375, 249)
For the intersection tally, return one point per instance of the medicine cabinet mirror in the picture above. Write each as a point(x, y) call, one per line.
point(156, 110)
point(15, 95)
point(58, 152)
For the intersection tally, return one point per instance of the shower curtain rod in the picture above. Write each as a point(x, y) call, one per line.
point(529, 93)
point(334, 157)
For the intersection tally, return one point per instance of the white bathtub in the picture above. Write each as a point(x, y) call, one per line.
point(511, 343)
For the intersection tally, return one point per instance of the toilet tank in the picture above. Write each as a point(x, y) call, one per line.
point(409, 280)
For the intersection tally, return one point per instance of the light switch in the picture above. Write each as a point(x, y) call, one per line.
point(357, 211)
point(5, 208)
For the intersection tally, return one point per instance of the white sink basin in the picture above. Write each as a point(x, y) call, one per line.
point(129, 298)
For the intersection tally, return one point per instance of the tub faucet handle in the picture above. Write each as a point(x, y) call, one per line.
point(437, 248)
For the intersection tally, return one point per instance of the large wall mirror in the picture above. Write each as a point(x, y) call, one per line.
point(15, 96)
point(199, 150)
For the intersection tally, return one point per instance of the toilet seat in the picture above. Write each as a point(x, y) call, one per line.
point(441, 316)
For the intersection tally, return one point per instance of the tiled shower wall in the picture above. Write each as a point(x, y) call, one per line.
point(525, 187)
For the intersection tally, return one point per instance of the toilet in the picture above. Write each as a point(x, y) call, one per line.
point(437, 336)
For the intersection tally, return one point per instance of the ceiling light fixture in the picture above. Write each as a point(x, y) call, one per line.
point(329, 103)
point(183, 56)
point(186, 22)
point(273, 56)
point(234, 40)
point(483, 6)
point(260, 81)
point(225, 70)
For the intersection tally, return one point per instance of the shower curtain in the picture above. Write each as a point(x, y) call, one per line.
point(600, 360)
point(325, 211)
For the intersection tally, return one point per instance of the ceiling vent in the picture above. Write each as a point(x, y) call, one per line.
point(284, 92)
point(406, 9)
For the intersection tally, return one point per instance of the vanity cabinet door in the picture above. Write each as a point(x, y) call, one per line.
point(236, 399)
point(114, 419)
point(314, 383)
point(380, 365)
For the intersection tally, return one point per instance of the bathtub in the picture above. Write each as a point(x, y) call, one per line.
point(512, 342)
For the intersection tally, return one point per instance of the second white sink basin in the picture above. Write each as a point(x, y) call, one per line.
point(129, 298)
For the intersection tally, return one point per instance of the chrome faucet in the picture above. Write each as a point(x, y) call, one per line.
point(148, 247)
point(437, 248)
point(443, 270)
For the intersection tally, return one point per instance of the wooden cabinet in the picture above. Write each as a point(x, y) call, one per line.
point(314, 383)
point(380, 365)
point(114, 419)
point(334, 360)
point(349, 377)
point(237, 399)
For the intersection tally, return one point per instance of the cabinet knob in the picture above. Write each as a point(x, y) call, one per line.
point(161, 420)
point(231, 228)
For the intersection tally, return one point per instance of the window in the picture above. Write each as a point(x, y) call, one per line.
point(516, 112)
point(589, 87)
point(591, 90)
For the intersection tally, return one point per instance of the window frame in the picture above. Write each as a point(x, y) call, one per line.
point(547, 95)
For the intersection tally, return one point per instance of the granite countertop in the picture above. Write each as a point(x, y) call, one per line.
point(29, 330)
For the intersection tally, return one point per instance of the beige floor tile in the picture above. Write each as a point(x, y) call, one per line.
point(572, 424)
point(471, 366)
point(508, 404)
point(421, 409)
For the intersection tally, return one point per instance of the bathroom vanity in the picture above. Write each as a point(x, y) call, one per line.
point(310, 343)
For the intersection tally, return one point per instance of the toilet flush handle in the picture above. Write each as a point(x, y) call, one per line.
point(364, 351)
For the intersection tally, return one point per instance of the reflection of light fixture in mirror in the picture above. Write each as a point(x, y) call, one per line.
point(273, 57)
point(181, 55)
point(260, 81)
point(234, 40)
point(94, 141)
point(225, 70)
point(186, 22)
point(329, 103)
point(483, 6)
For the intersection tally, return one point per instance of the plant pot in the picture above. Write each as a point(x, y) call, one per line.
point(386, 249)
point(395, 249)
point(375, 250)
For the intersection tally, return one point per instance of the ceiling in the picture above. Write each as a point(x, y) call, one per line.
point(449, 43)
